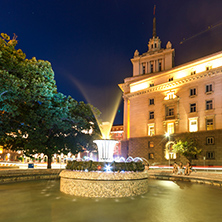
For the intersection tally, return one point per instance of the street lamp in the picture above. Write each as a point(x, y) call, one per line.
point(167, 135)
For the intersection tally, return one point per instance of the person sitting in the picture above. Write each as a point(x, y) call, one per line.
point(188, 169)
point(175, 168)
point(147, 166)
point(181, 169)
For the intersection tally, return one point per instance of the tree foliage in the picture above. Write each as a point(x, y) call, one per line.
point(34, 117)
point(187, 147)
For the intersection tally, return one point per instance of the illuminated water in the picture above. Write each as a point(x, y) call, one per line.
point(166, 201)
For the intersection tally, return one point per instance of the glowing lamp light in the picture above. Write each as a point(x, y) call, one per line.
point(99, 167)
point(1, 149)
point(170, 95)
point(108, 168)
point(138, 87)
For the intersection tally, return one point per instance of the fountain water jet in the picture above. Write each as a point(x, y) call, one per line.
point(105, 150)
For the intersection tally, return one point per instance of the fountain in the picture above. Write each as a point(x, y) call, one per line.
point(106, 184)
point(105, 178)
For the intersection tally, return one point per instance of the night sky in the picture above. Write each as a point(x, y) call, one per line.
point(90, 42)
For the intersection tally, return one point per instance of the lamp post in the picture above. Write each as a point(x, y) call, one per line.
point(168, 138)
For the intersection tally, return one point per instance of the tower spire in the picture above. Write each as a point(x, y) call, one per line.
point(154, 21)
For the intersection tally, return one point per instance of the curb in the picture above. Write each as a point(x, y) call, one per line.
point(10, 176)
point(194, 179)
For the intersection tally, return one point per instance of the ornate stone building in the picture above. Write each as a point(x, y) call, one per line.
point(181, 101)
point(117, 133)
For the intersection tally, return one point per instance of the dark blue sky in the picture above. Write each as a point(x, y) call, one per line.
point(90, 42)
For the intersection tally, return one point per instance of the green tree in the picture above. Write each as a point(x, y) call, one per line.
point(69, 132)
point(24, 85)
point(187, 147)
point(34, 117)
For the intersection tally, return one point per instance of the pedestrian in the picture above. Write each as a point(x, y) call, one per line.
point(188, 169)
point(175, 168)
point(181, 169)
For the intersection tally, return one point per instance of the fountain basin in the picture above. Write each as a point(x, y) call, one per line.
point(103, 184)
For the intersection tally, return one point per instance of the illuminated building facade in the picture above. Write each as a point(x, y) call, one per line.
point(117, 134)
point(181, 101)
point(8, 155)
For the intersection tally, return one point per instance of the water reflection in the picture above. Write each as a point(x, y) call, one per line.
point(183, 185)
point(165, 201)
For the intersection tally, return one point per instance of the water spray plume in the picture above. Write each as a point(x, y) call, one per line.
point(105, 129)
point(107, 103)
point(109, 116)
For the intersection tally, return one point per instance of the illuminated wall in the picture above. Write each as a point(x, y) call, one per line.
point(175, 108)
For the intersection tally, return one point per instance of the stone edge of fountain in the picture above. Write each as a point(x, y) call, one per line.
point(103, 184)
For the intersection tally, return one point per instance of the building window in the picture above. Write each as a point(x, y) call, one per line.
point(150, 144)
point(151, 131)
point(170, 111)
point(193, 124)
point(210, 155)
point(151, 156)
point(209, 88)
point(209, 104)
point(144, 68)
point(151, 84)
point(208, 68)
point(210, 140)
point(170, 128)
point(209, 124)
point(193, 92)
point(193, 73)
point(151, 67)
point(193, 107)
point(151, 101)
point(170, 79)
point(160, 66)
point(151, 115)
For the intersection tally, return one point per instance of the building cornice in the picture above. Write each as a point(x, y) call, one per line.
point(152, 54)
point(170, 85)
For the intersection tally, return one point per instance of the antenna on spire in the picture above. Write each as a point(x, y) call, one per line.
point(154, 9)
point(154, 21)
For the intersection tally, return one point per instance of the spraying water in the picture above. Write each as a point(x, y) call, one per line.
point(107, 100)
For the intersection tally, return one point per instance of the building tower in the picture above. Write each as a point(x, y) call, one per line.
point(184, 100)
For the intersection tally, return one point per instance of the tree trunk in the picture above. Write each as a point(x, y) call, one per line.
point(49, 165)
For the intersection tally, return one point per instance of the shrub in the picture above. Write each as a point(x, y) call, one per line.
point(101, 166)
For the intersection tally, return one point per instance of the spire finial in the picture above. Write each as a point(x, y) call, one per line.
point(154, 21)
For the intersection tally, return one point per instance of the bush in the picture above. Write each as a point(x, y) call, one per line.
point(101, 166)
